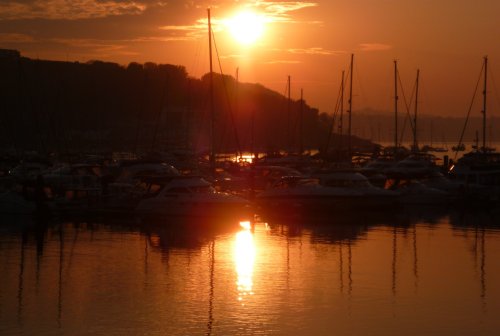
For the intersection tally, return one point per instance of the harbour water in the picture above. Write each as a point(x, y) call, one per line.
point(418, 273)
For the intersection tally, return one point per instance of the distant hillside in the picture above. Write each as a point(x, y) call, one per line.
point(64, 106)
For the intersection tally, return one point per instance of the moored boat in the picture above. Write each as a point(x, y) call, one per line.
point(300, 196)
point(189, 196)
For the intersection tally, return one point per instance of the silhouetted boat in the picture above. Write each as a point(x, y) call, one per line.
point(414, 166)
point(430, 148)
point(371, 197)
point(300, 196)
point(413, 192)
point(189, 196)
point(439, 150)
point(458, 148)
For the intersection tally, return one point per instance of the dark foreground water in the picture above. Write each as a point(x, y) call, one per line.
point(422, 274)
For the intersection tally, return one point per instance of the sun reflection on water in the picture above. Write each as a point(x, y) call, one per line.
point(244, 258)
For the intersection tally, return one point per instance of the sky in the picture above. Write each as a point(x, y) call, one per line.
point(310, 41)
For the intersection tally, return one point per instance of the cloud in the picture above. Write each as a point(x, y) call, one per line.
point(95, 48)
point(282, 62)
point(86, 43)
point(374, 47)
point(315, 51)
point(187, 32)
point(232, 56)
point(159, 39)
point(68, 9)
point(15, 38)
point(281, 8)
point(278, 11)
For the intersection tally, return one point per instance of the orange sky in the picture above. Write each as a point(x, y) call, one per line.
point(309, 40)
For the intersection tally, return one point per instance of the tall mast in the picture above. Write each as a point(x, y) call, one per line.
point(415, 142)
point(341, 119)
point(188, 117)
point(212, 110)
point(395, 106)
point(289, 133)
point(350, 110)
point(432, 132)
point(484, 102)
point(237, 108)
point(301, 123)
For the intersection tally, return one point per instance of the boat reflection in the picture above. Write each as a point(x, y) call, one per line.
point(244, 259)
point(184, 233)
point(327, 230)
point(467, 220)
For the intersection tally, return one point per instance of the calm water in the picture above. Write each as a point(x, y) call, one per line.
point(422, 274)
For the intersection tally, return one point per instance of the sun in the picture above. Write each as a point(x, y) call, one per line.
point(246, 27)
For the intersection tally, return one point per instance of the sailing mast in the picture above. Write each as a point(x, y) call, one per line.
point(341, 119)
point(301, 124)
point(484, 102)
point(415, 142)
point(289, 133)
point(349, 151)
point(212, 110)
point(237, 108)
point(395, 106)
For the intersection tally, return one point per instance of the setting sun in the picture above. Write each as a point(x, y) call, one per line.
point(246, 27)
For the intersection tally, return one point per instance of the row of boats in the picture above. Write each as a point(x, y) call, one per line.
point(154, 188)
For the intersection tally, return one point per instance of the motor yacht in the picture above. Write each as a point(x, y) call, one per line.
point(188, 196)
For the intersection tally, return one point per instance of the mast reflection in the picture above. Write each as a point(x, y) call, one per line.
point(244, 259)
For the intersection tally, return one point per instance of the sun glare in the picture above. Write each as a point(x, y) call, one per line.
point(246, 27)
point(244, 257)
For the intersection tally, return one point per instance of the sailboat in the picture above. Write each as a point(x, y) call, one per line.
point(480, 168)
